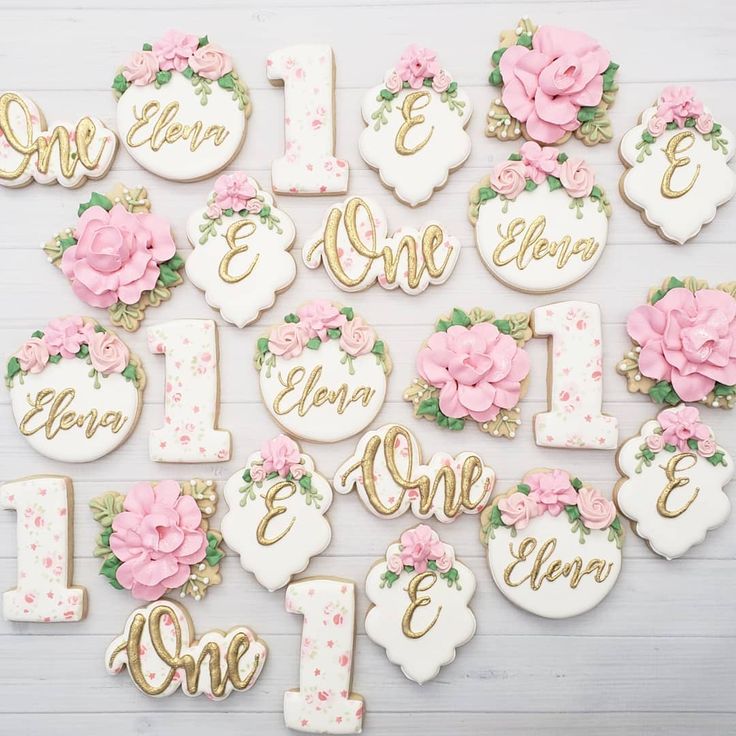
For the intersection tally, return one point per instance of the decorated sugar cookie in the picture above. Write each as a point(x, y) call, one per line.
point(674, 475)
point(684, 344)
point(676, 161)
point(540, 219)
point(416, 126)
point(276, 520)
point(75, 389)
point(44, 591)
point(386, 470)
point(554, 544)
point(241, 243)
point(159, 649)
point(31, 150)
point(420, 595)
point(323, 372)
point(182, 108)
point(553, 83)
point(118, 256)
point(354, 246)
point(156, 538)
point(473, 367)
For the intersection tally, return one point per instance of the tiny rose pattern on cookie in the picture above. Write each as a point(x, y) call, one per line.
point(684, 344)
point(156, 539)
point(554, 82)
point(473, 367)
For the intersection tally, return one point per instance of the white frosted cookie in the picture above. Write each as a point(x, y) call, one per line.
point(276, 519)
point(674, 476)
point(241, 242)
point(416, 126)
point(75, 390)
point(420, 595)
point(676, 160)
point(323, 372)
point(182, 108)
point(67, 153)
point(554, 544)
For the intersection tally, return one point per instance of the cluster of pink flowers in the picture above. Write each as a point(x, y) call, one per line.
point(688, 339)
point(279, 455)
point(176, 51)
point(234, 192)
point(415, 65)
point(477, 369)
point(289, 339)
point(419, 546)
point(678, 427)
point(65, 337)
point(551, 491)
point(510, 178)
point(676, 105)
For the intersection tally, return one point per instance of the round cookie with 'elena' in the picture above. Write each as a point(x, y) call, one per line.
point(554, 544)
point(182, 108)
point(75, 389)
point(323, 372)
point(540, 219)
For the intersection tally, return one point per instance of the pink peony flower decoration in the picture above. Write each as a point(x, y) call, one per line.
point(174, 50)
point(232, 191)
point(509, 178)
point(157, 537)
point(477, 369)
point(319, 316)
point(65, 336)
point(279, 454)
point(688, 339)
point(419, 545)
point(107, 353)
point(596, 511)
point(117, 255)
point(287, 340)
point(544, 87)
point(518, 509)
point(677, 104)
point(539, 162)
point(357, 338)
point(141, 68)
point(211, 62)
point(417, 63)
point(33, 355)
point(680, 425)
point(552, 490)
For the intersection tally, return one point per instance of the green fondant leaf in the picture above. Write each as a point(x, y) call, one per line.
point(109, 569)
point(262, 345)
point(428, 408)
point(334, 334)
point(65, 243)
point(561, 158)
point(572, 513)
point(586, 114)
point(530, 186)
point(451, 87)
point(163, 77)
point(38, 334)
point(130, 372)
point(227, 81)
point(54, 358)
point(722, 390)
point(554, 183)
point(692, 443)
point(348, 312)
point(379, 348)
point(13, 367)
point(120, 83)
point(524, 488)
point(96, 200)
point(306, 482)
point(291, 318)
point(213, 554)
point(515, 157)
point(497, 54)
point(647, 137)
point(596, 192)
point(524, 39)
point(576, 483)
point(188, 72)
point(495, 78)
point(662, 392)
point(486, 193)
point(496, 519)
point(147, 47)
point(203, 42)
point(314, 343)
point(83, 351)
point(459, 317)
point(503, 325)
point(668, 447)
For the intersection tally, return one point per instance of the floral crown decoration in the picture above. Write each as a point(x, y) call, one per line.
point(197, 59)
point(184, 554)
point(76, 337)
point(548, 491)
point(697, 360)
point(418, 68)
point(554, 82)
point(532, 166)
point(448, 395)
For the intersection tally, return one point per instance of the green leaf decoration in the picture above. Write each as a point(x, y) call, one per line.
point(291, 319)
point(608, 75)
point(530, 186)
point(13, 367)
point(673, 283)
point(554, 183)
point(120, 83)
point(496, 520)
point(524, 39)
point(586, 114)
point(561, 158)
point(96, 200)
point(572, 513)
point(427, 82)
point(306, 482)
point(384, 94)
point(203, 42)
point(495, 78)
point(576, 483)
point(379, 348)
point(442, 325)
point(130, 372)
point(459, 317)
point(389, 578)
point(515, 157)
point(227, 81)
point(596, 192)
point(213, 555)
point(668, 447)
point(54, 358)
point(163, 77)
point(147, 47)
point(106, 507)
point(314, 343)
point(348, 312)
point(229, 212)
point(486, 193)
point(334, 334)
point(247, 477)
point(663, 393)
point(451, 87)
point(723, 390)
point(503, 325)
point(188, 72)
point(109, 569)
point(497, 54)
point(690, 123)
point(262, 345)
point(83, 352)
point(428, 408)
point(38, 334)
point(524, 488)
point(168, 271)
point(717, 458)
point(65, 243)
point(692, 443)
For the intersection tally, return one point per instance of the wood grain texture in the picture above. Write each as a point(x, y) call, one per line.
point(657, 657)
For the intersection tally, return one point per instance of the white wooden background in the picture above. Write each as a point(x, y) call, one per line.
point(657, 657)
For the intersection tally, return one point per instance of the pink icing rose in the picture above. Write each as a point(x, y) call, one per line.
point(596, 511)
point(279, 454)
point(478, 370)
point(297, 471)
point(357, 337)
point(577, 177)
point(441, 81)
point(678, 426)
point(157, 537)
point(319, 316)
point(232, 191)
point(394, 564)
point(257, 473)
point(415, 64)
point(518, 509)
point(545, 87)
point(141, 68)
point(707, 447)
point(655, 442)
point(552, 490)
point(33, 355)
point(287, 340)
point(656, 126)
point(539, 162)
point(419, 545)
point(64, 336)
point(211, 62)
point(704, 123)
point(117, 255)
point(108, 353)
point(254, 206)
point(213, 211)
point(509, 178)
point(445, 561)
point(393, 82)
point(677, 104)
point(174, 50)
point(688, 339)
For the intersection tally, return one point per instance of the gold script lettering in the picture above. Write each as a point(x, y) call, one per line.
point(274, 494)
point(232, 236)
point(416, 586)
point(677, 145)
point(676, 464)
point(412, 102)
